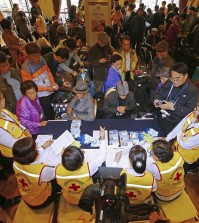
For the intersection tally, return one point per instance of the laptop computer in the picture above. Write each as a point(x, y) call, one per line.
point(110, 172)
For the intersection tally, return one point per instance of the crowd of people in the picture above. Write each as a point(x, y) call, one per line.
point(38, 66)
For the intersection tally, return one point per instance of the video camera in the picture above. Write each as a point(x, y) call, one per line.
point(111, 203)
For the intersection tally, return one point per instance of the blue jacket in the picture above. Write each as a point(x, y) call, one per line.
point(112, 77)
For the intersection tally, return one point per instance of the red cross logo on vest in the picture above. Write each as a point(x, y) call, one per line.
point(74, 187)
point(131, 194)
point(23, 183)
point(178, 175)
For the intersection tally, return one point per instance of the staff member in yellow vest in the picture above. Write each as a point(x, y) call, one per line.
point(74, 174)
point(36, 181)
point(10, 131)
point(187, 140)
point(167, 168)
point(140, 183)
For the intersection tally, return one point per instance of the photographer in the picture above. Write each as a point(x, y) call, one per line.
point(75, 172)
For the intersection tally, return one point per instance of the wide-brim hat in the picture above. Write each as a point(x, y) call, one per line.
point(80, 87)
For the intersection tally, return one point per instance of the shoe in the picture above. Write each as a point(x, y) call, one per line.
point(192, 171)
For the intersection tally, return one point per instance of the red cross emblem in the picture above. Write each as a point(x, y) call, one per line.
point(23, 183)
point(74, 187)
point(131, 195)
point(178, 175)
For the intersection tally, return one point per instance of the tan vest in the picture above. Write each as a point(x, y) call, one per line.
point(190, 155)
point(13, 128)
point(138, 188)
point(73, 183)
point(28, 177)
point(172, 176)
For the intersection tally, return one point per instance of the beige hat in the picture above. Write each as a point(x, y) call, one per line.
point(154, 30)
point(103, 37)
point(162, 46)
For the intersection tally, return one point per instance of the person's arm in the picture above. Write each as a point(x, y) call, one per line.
point(93, 166)
point(130, 102)
point(108, 105)
point(152, 167)
point(47, 174)
point(43, 23)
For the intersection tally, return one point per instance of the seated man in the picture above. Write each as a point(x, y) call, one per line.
point(119, 104)
point(176, 99)
point(82, 105)
point(10, 80)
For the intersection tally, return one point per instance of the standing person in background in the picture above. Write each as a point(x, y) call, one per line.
point(10, 80)
point(158, 18)
point(15, 10)
point(170, 16)
point(129, 58)
point(29, 110)
point(37, 8)
point(40, 23)
point(36, 69)
point(53, 31)
point(12, 41)
point(99, 60)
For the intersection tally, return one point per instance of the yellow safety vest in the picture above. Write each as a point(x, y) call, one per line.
point(138, 188)
point(28, 177)
point(13, 128)
point(172, 176)
point(189, 155)
point(73, 183)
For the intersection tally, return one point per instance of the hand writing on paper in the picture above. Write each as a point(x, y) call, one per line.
point(47, 144)
point(102, 133)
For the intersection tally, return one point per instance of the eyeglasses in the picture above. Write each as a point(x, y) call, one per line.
point(176, 79)
point(6, 64)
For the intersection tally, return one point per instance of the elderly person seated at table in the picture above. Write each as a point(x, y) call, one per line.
point(10, 131)
point(114, 73)
point(29, 110)
point(119, 103)
point(82, 105)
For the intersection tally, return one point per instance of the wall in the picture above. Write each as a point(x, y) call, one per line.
point(47, 8)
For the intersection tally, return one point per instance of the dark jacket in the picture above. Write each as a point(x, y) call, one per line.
point(8, 91)
point(158, 19)
point(111, 103)
point(185, 96)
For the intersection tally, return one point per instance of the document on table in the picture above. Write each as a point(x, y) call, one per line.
point(62, 142)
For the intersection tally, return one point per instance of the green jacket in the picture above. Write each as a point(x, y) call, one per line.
point(8, 91)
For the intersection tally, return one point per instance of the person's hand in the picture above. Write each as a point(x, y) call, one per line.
point(69, 111)
point(118, 156)
point(27, 133)
point(103, 60)
point(167, 105)
point(102, 133)
point(50, 88)
point(155, 103)
point(74, 73)
point(43, 123)
point(121, 109)
point(154, 216)
point(81, 64)
point(47, 144)
point(66, 84)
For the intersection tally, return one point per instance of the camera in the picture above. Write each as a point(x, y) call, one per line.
point(111, 203)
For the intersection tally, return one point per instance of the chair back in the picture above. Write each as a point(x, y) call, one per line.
point(109, 91)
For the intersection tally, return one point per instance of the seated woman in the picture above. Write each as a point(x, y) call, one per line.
point(187, 140)
point(167, 168)
point(36, 181)
point(140, 183)
point(120, 103)
point(29, 110)
point(114, 73)
point(10, 131)
point(82, 105)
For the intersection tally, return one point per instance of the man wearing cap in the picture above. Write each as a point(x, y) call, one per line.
point(53, 31)
point(99, 60)
point(82, 105)
point(162, 59)
point(120, 103)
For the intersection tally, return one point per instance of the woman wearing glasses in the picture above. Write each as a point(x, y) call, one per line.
point(187, 140)
point(10, 131)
